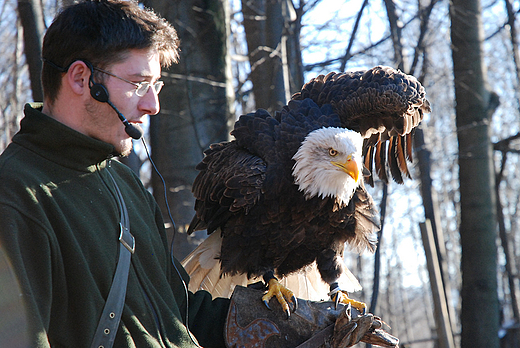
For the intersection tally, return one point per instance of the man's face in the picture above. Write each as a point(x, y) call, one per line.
point(102, 121)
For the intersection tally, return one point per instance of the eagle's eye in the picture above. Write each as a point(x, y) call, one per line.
point(333, 152)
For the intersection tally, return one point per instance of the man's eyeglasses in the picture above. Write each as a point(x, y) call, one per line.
point(141, 88)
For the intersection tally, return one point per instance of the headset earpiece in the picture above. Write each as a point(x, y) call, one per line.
point(99, 92)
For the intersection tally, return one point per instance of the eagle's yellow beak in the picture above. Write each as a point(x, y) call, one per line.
point(350, 167)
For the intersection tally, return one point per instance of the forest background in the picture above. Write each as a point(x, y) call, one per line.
point(446, 271)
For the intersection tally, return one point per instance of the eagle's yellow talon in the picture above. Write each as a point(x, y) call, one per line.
point(342, 297)
point(282, 294)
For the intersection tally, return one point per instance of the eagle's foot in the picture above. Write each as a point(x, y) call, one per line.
point(283, 295)
point(341, 296)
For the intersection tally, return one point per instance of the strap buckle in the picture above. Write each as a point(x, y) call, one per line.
point(126, 238)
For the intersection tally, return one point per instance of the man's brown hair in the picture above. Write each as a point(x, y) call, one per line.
point(102, 32)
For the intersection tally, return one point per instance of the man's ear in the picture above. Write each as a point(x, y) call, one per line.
point(78, 77)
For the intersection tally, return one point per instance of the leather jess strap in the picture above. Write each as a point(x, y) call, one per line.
point(111, 316)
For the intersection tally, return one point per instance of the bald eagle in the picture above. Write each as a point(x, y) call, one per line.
point(289, 190)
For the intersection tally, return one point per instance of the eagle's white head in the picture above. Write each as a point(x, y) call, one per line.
point(329, 164)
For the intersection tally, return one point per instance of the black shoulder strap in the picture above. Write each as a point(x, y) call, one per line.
point(109, 321)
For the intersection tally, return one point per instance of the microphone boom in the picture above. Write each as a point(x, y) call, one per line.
point(130, 129)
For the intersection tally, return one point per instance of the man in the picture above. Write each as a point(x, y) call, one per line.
point(59, 208)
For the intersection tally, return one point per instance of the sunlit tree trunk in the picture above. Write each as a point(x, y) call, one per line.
point(31, 16)
point(196, 105)
point(480, 307)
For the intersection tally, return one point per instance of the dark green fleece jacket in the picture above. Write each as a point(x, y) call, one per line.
point(59, 224)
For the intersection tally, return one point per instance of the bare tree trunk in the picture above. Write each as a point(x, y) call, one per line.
point(293, 26)
point(196, 105)
point(395, 31)
point(431, 213)
point(442, 318)
point(480, 307)
point(511, 16)
point(274, 26)
point(377, 256)
point(30, 14)
point(254, 15)
point(264, 27)
point(506, 238)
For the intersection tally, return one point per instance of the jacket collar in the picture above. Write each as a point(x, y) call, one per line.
point(58, 143)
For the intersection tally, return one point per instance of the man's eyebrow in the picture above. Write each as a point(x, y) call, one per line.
point(143, 75)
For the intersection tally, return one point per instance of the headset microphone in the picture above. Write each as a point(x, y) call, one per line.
point(130, 129)
point(100, 93)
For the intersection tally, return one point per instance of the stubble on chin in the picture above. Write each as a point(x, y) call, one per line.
point(100, 115)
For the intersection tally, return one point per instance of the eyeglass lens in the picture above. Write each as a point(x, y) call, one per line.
point(144, 86)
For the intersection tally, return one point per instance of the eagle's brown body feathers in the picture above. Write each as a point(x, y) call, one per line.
point(246, 189)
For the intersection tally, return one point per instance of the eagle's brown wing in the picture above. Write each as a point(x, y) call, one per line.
point(383, 104)
point(230, 180)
